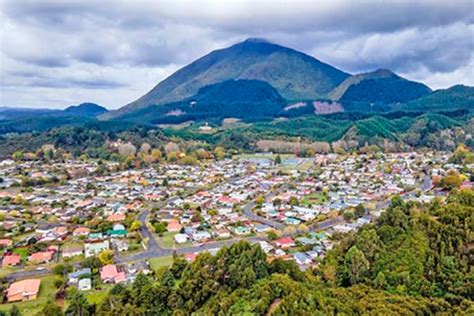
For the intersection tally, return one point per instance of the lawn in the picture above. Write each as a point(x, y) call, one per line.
point(98, 296)
point(156, 263)
point(314, 199)
point(23, 252)
point(47, 292)
point(167, 240)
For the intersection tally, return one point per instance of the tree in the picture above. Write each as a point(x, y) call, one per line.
point(51, 309)
point(62, 269)
point(219, 153)
point(348, 215)
point(452, 180)
point(145, 148)
point(359, 211)
point(272, 235)
point(106, 257)
point(277, 160)
point(78, 305)
point(14, 311)
point(135, 226)
point(91, 262)
point(160, 228)
point(127, 150)
point(18, 155)
point(156, 155)
point(357, 265)
point(294, 201)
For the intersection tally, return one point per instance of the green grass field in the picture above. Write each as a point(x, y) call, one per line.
point(156, 263)
point(23, 252)
point(314, 199)
point(46, 293)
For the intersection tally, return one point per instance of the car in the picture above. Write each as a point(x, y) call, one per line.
point(40, 268)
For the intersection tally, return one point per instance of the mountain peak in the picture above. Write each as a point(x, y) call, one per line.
point(256, 40)
point(383, 72)
point(86, 109)
point(293, 74)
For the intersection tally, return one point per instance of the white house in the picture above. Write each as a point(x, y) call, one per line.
point(200, 235)
point(180, 238)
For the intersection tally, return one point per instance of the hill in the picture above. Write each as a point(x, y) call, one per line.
point(249, 99)
point(381, 86)
point(454, 98)
point(86, 109)
point(293, 74)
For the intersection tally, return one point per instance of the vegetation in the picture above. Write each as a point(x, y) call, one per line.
point(414, 260)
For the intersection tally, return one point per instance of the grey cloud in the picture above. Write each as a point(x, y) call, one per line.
point(56, 39)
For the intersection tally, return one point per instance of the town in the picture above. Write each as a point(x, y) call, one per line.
point(97, 230)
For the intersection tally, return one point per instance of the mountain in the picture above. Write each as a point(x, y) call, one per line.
point(9, 113)
point(86, 109)
point(293, 74)
point(454, 98)
point(339, 91)
point(245, 99)
point(380, 86)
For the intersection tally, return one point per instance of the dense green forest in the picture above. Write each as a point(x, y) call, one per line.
point(415, 260)
point(394, 131)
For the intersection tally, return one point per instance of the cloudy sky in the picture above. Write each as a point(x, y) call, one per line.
point(58, 53)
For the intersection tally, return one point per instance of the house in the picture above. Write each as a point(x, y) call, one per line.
point(24, 290)
point(302, 258)
point(261, 228)
point(84, 284)
point(74, 277)
point(110, 274)
point(41, 257)
point(180, 238)
point(92, 249)
point(285, 242)
point(222, 233)
point(81, 231)
point(190, 257)
point(174, 226)
point(72, 252)
point(200, 235)
point(11, 260)
point(241, 230)
point(121, 244)
point(5, 243)
point(120, 233)
point(117, 217)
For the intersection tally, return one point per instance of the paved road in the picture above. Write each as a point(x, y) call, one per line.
point(248, 211)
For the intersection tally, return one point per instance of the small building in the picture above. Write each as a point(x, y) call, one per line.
point(84, 284)
point(24, 290)
point(74, 277)
point(180, 238)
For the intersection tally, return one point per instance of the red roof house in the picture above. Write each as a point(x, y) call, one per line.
point(11, 260)
point(285, 242)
